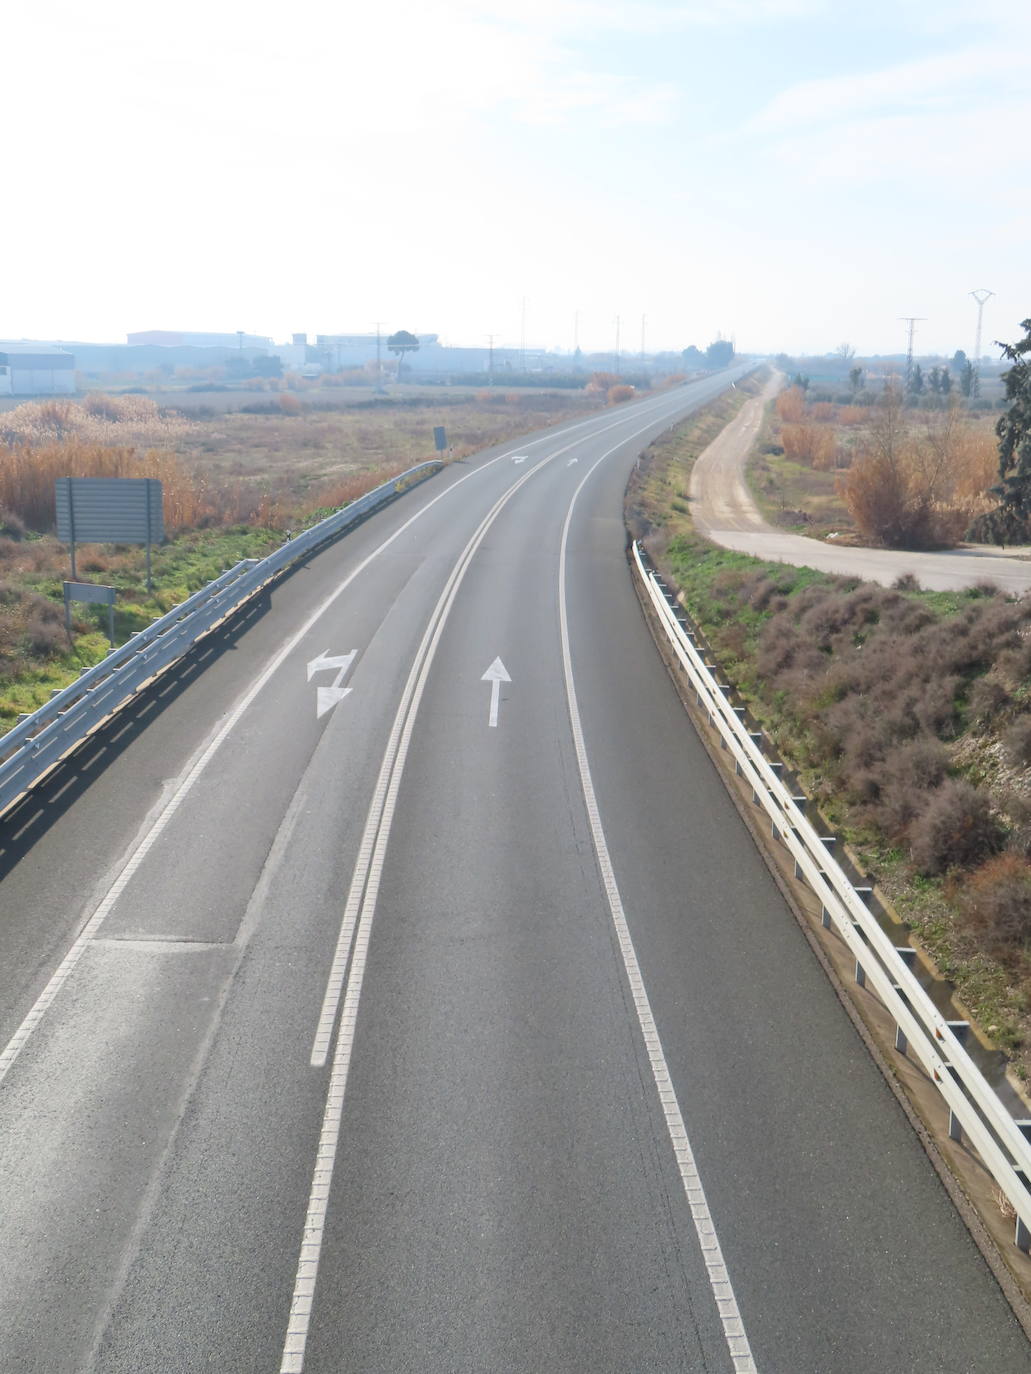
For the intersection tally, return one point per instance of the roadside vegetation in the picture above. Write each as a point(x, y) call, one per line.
point(896, 471)
point(907, 715)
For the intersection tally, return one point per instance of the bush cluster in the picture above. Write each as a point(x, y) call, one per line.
point(31, 626)
point(873, 685)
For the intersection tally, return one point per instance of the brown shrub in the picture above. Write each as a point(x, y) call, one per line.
point(1014, 664)
point(27, 476)
point(898, 788)
point(30, 626)
point(987, 698)
point(809, 443)
point(1017, 742)
point(102, 406)
point(791, 404)
point(620, 393)
point(956, 830)
point(598, 381)
point(852, 415)
point(996, 900)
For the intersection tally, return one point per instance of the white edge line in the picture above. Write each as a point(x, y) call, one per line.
point(712, 1254)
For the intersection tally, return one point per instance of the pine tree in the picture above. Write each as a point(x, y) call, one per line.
point(1011, 521)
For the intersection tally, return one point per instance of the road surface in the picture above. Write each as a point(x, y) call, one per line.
point(396, 988)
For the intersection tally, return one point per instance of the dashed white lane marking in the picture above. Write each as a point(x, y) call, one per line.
point(719, 1278)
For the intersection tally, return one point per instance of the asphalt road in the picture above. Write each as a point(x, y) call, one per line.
point(459, 1029)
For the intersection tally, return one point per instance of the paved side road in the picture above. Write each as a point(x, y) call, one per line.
point(457, 1028)
point(723, 510)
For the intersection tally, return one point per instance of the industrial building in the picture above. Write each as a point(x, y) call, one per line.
point(36, 370)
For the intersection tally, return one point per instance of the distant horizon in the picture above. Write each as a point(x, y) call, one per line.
point(627, 355)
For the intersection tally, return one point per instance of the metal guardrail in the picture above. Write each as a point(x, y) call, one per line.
point(974, 1107)
point(42, 739)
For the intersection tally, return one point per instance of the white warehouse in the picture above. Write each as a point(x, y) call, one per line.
point(36, 370)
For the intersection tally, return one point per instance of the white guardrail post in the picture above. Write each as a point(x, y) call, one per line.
point(935, 1042)
point(39, 741)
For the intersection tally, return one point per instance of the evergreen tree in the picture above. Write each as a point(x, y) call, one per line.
point(1011, 521)
point(915, 385)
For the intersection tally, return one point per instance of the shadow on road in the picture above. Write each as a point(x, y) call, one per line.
point(33, 816)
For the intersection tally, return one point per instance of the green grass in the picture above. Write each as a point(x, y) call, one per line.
point(795, 496)
point(180, 568)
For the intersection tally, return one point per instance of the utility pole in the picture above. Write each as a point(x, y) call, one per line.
point(617, 344)
point(911, 320)
point(980, 296)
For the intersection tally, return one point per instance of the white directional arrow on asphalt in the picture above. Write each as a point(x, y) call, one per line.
point(496, 674)
point(520, 458)
point(327, 697)
point(572, 461)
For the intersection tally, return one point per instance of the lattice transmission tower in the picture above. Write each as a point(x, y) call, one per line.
point(912, 321)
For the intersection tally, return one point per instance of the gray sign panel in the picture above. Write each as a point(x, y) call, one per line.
point(89, 591)
point(109, 510)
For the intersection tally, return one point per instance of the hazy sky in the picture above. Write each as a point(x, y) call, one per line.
point(793, 173)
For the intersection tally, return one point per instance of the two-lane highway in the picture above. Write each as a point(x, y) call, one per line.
point(402, 992)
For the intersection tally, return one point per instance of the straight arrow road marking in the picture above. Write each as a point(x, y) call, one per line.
point(328, 697)
point(496, 674)
point(520, 458)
